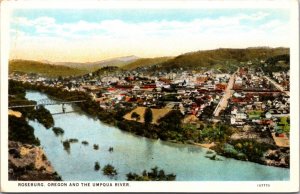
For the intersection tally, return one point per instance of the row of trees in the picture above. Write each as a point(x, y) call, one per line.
point(154, 175)
point(170, 127)
point(244, 149)
point(18, 128)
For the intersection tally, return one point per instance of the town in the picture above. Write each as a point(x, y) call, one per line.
point(255, 103)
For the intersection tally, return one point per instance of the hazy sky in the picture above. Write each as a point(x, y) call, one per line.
point(91, 35)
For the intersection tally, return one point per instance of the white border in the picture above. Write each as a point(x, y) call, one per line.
point(178, 186)
point(159, 4)
point(5, 15)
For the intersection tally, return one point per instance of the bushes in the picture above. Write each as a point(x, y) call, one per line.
point(217, 133)
point(44, 117)
point(170, 128)
point(58, 131)
point(66, 145)
point(97, 166)
point(251, 148)
point(171, 121)
point(16, 89)
point(154, 175)
point(96, 147)
point(19, 130)
point(244, 149)
point(85, 143)
point(109, 170)
point(131, 126)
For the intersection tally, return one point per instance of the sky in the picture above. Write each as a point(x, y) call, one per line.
point(61, 35)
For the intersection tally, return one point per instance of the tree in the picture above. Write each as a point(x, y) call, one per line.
point(154, 175)
point(58, 131)
point(109, 170)
point(148, 116)
point(97, 166)
point(135, 116)
point(171, 121)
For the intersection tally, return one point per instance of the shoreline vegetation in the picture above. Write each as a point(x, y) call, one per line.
point(154, 175)
point(27, 160)
point(215, 136)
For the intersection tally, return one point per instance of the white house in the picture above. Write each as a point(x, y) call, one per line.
point(238, 80)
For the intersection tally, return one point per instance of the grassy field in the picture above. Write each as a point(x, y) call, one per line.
point(157, 114)
point(27, 66)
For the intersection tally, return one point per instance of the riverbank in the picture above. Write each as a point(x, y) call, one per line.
point(27, 160)
point(29, 163)
point(133, 153)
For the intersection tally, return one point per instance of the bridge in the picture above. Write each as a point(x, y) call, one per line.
point(45, 102)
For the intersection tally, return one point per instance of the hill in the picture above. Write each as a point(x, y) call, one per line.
point(222, 59)
point(143, 62)
point(28, 66)
point(277, 63)
point(93, 66)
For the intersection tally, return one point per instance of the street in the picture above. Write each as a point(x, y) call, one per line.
point(228, 92)
point(279, 87)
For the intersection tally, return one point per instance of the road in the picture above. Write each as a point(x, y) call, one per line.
point(228, 92)
point(279, 87)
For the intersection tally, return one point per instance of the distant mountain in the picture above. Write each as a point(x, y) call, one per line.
point(143, 62)
point(92, 66)
point(46, 69)
point(221, 60)
point(130, 58)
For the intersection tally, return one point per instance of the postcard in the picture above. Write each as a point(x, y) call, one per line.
point(150, 96)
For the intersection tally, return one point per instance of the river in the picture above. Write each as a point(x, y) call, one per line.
point(133, 153)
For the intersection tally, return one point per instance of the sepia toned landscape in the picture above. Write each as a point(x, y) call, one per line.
point(149, 95)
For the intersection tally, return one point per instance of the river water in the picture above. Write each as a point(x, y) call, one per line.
point(133, 153)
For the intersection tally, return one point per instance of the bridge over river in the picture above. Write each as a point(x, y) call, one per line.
point(45, 102)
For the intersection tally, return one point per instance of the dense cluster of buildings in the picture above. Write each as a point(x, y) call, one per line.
point(254, 100)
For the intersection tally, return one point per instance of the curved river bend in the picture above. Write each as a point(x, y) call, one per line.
point(133, 153)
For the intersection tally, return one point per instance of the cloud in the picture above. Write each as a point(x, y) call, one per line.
point(83, 40)
point(121, 28)
point(254, 17)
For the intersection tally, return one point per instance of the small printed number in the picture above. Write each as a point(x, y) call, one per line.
point(263, 185)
